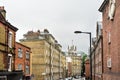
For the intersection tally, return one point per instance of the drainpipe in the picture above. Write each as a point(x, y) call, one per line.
point(59, 63)
point(6, 47)
point(50, 62)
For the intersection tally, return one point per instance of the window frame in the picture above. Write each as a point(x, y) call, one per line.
point(27, 56)
point(20, 66)
point(10, 39)
point(20, 52)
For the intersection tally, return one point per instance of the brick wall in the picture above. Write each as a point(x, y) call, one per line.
point(23, 59)
point(2, 47)
point(38, 57)
point(87, 68)
point(111, 45)
point(1, 61)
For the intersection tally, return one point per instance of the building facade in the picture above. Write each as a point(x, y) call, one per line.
point(76, 65)
point(7, 49)
point(22, 60)
point(63, 65)
point(74, 68)
point(97, 54)
point(46, 53)
point(87, 69)
point(68, 66)
point(111, 39)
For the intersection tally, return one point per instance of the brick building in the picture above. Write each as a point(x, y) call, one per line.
point(22, 60)
point(68, 66)
point(97, 54)
point(87, 68)
point(111, 39)
point(46, 55)
point(7, 49)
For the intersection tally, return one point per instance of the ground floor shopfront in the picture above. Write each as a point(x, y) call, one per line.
point(13, 75)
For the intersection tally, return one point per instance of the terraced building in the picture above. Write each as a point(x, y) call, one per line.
point(7, 49)
point(46, 64)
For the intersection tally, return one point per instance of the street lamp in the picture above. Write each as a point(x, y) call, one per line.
point(77, 32)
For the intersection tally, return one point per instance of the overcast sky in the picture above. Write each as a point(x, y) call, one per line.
point(60, 17)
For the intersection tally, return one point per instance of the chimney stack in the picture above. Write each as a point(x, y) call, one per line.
point(2, 11)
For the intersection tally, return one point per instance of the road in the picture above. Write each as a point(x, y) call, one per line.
point(79, 79)
point(76, 79)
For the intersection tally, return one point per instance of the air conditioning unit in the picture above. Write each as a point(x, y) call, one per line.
point(109, 63)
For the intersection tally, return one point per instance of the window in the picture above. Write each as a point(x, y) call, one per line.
point(20, 53)
point(109, 63)
point(10, 62)
point(27, 69)
point(19, 66)
point(27, 55)
point(10, 39)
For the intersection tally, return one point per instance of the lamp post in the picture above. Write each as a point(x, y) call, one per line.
point(77, 32)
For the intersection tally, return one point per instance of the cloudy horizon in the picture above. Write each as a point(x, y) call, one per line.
point(60, 17)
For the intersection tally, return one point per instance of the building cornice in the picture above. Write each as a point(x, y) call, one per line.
point(103, 5)
point(23, 45)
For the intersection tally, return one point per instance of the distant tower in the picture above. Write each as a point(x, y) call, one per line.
point(72, 50)
point(3, 11)
point(71, 53)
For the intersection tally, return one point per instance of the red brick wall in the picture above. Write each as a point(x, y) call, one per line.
point(69, 68)
point(87, 68)
point(111, 50)
point(22, 60)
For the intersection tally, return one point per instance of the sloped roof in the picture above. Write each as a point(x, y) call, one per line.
point(5, 22)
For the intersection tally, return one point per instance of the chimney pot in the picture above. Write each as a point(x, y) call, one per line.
point(1, 7)
point(2, 11)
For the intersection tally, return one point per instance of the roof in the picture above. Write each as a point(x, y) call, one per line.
point(5, 22)
point(103, 5)
point(23, 45)
point(11, 26)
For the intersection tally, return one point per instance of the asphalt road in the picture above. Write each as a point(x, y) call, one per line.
point(76, 79)
point(79, 79)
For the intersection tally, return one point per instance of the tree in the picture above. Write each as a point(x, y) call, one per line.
point(83, 58)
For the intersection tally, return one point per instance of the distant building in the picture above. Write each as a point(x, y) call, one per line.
point(68, 66)
point(74, 61)
point(46, 54)
point(76, 65)
point(22, 60)
point(63, 65)
point(87, 69)
point(7, 49)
